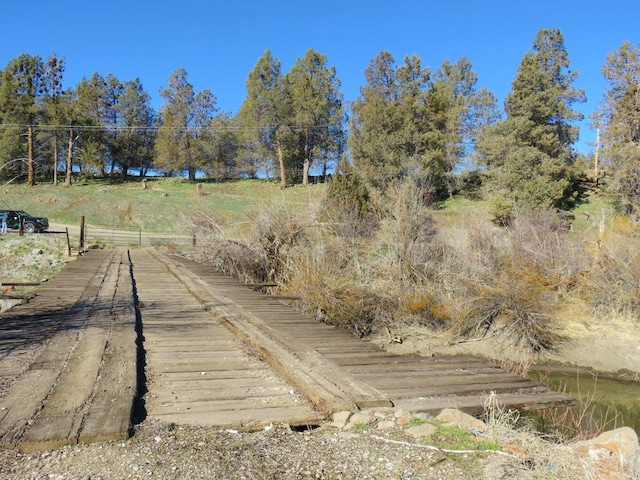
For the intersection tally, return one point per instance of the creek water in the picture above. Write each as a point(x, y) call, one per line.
point(615, 402)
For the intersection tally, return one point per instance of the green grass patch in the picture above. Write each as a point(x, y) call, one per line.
point(164, 206)
point(453, 438)
point(414, 422)
point(31, 258)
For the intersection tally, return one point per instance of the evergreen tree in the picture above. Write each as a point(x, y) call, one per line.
point(70, 116)
point(249, 158)
point(26, 85)
point(347, 206)
point(381, 136)
point(57, 116)
point(183, 134)
point(529, 154)
point(111, 120)
point(136, 135)
point(266, 112)
point(621, 115)
point(222, 146)
point(408, 123)
point(317, 113)
point(90, 107)
point(458, 111)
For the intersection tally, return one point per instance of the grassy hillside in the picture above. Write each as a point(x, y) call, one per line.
point(164, 206)
point(167, 203)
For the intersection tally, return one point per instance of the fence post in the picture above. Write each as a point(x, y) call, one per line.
point(82, 233)
point(68, 243)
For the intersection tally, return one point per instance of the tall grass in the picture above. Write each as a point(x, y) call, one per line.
point(375, 262)
point(612, 284)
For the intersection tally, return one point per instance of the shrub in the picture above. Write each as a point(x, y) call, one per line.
point(406, 234)
point(518, 299)
point(232, 257)
point(334, 293)
point(612, 283)
point(425, 306)
point(347, 206)
point(469, 183)
point(516, 281)
point(501, 210)
point(277, 230)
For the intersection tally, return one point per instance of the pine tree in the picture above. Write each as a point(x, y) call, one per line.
point(382, 132)
point(185, 116)
point(529, 154)
point(409, 123)
point(266, 113)
point(621, 115)
point(27, 84)
point(90, 106)
point(458, 111)
point(222, 146)
point(317, 113)
point(136, 135)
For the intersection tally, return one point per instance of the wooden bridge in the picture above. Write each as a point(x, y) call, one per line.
point(122, 335)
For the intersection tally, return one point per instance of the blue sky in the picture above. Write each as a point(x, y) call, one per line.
point(219, 42)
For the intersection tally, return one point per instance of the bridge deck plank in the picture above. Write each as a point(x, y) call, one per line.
point(409, 379)
point(198, 371)
point(216, 352)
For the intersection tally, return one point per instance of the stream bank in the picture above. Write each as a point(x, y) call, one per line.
point(602, 365)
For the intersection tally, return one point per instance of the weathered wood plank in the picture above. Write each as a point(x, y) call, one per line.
point(475, 403)
point(397, 362)
point(276, 394)
point(51, 432)
point(247, 372)
point(458, 378)
point(108, 418)
point(393, 375)
point(466, 389)
point(195, 366)
point(330, 388)
point(220, 384)
point(21, 404)
point(239, 419)
point(60, 420)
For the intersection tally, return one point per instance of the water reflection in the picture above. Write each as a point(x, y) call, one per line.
point(616, 403)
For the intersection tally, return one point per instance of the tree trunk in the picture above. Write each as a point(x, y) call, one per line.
point(305, 165)
point(283, 172)
point(595, 161)
point(55, 160)
point(30, 173)
point(67, 180)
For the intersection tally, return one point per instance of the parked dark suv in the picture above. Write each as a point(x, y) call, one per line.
point(30, 224)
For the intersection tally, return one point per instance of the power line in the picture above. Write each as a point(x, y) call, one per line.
point(112, 128)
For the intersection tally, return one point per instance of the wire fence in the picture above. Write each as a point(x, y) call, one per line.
point(132, 236)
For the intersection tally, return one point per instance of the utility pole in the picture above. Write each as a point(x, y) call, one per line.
point(595, 168)
point(30, 173)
